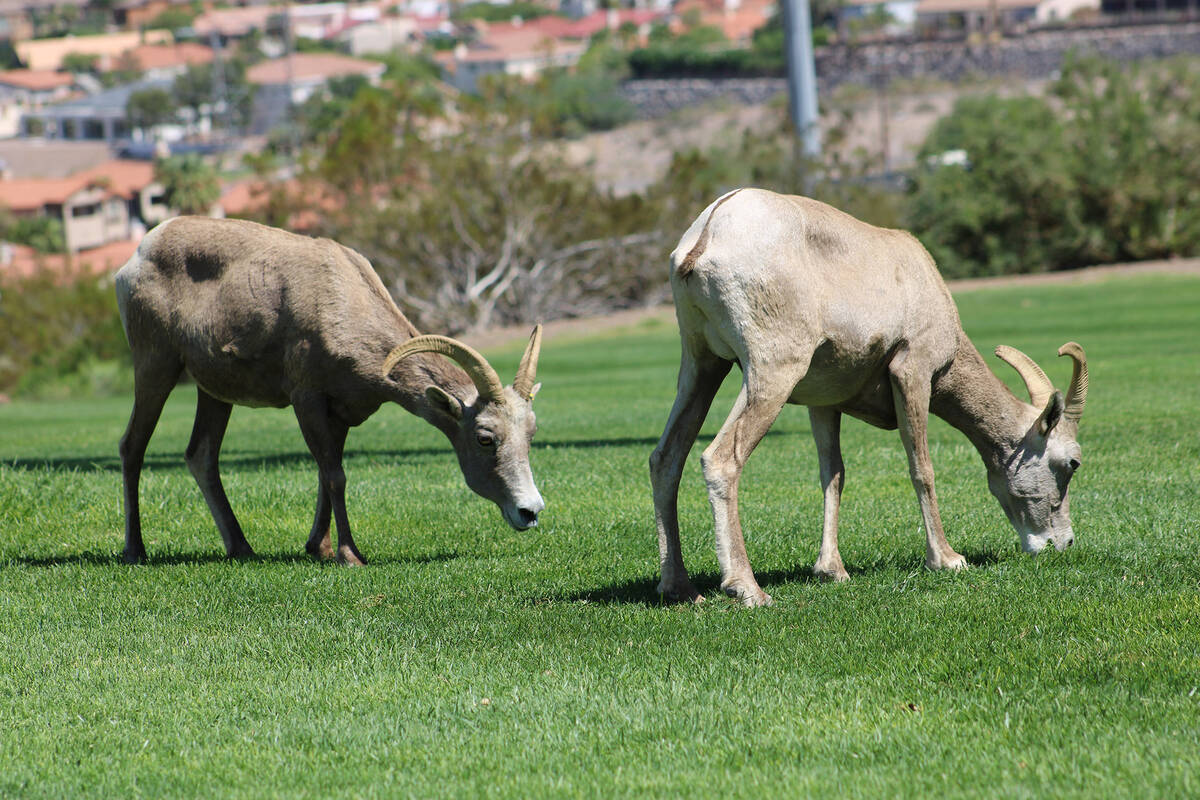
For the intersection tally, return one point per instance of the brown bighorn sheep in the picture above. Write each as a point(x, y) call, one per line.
point(823, 310)
point(262, 317)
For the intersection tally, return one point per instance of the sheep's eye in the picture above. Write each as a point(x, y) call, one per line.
point(485, 439)
point(1074, 464)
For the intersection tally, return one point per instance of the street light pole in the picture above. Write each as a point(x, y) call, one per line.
point(801, 74)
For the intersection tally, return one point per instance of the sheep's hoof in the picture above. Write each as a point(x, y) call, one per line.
point(350, 557)
point(951, 560)
point(751, 594)
point(240, 552)
point(831, 573)
point(134, 556)
point(679, 592)
point(322, 550)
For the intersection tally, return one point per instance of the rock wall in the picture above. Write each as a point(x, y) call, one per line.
point(1031, 56)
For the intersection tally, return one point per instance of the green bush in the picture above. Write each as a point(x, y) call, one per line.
point(54, 326)
point(1103, 171)
point(43, 234)
point(490, 12)
point(704, 52)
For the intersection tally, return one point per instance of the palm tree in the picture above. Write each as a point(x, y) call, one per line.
point(191, 185)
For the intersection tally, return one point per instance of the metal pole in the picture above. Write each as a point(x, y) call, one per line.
point(801, 73)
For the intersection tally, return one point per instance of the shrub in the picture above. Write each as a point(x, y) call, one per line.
point(1105, 173)
point(53, 326)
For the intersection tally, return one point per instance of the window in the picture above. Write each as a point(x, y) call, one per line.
point(85, 210)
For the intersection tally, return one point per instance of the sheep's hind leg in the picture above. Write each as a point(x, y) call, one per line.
point(326, 438)
point(756, 408)
point(699, 380)
point(203, 460)
point(152, 384)
point(826, 429)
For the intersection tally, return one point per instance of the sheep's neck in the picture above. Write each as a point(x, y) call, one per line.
point(972, 399)
point(417, 373)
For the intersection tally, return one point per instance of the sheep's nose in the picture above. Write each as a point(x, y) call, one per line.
point(528, 517)
point(1070, 541)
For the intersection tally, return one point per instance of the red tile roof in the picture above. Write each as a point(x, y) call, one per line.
point(38, 80)
point(119, 177)
point(160, 56)
point(124, 177)
point(503, 43)
point(311, 66)
point(25, 262)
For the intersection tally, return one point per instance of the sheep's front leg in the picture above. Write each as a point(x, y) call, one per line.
point(910, 390)
point(325, 435)
point(755, 410)
point(698, 384)
point(826, 429)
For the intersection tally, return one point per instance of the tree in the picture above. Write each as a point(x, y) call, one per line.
point(43, 234)
point(191, 185)
point(172, 19)
point(468, 228)
point(193, 89)
point(147, 108)
point(1105, 173)
point(80, 62)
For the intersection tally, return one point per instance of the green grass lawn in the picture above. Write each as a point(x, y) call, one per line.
point(1072, 674)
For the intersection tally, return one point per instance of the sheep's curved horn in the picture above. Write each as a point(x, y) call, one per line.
point(476, 366)
point(1039, 386)
point(1077, 394)
point(527, 372)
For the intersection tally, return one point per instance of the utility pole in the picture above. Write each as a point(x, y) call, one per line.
point(801, 74)
point(220, 104)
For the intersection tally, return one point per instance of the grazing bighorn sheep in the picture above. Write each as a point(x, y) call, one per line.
point(262, 317)
point(823, 310)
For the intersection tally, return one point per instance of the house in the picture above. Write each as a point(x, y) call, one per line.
point(163, 61)
point(136, 14)
point(508, 49)
point(48, 54)
point(19, 19)
point(976, 15)
point(291, 80)
point(103, 117)
point(308, 20)
point(379, 36)
point(737, 19)
point(901, 15)
point(113, 201)
point(24, 90)
point(234, 23)
point(1060, 10)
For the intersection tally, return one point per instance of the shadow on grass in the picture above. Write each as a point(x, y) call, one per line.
point(94, 558)
point(644, 592)
point(170, 461)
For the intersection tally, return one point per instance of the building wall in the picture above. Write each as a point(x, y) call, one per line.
point(93, 217)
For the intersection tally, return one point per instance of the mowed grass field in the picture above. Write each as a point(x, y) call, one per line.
point(470, 660)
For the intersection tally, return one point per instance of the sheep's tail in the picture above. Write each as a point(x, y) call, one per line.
point(689, 261)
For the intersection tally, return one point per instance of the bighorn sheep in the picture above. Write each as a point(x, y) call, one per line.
point(262, 317)
point(823, 310)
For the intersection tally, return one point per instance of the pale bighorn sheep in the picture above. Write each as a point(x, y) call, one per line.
point(262, 317)
point(823, 310)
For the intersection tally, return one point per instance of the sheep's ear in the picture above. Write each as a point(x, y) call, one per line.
point(1051, 415)
point(533, 391)
point(440, 400)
